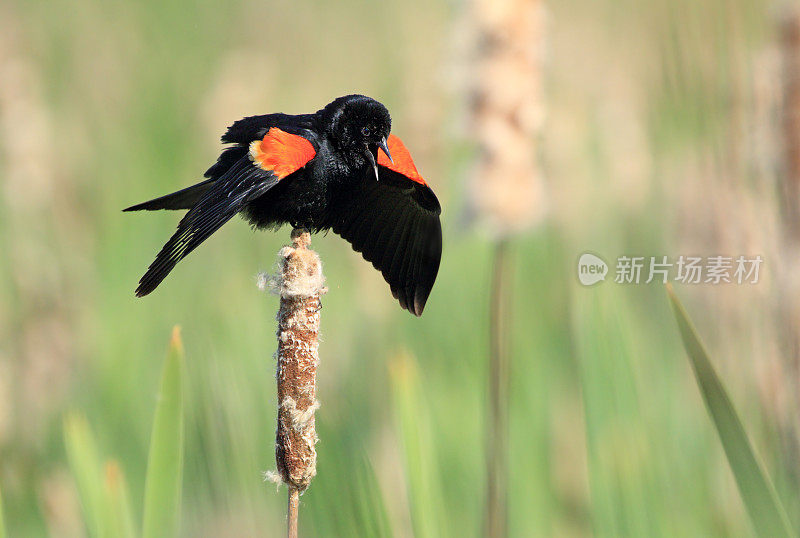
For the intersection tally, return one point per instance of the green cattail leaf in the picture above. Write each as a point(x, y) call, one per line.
point(424, 488)
point(759, 496)
point(2, 520)
point(85, 466)
point(165, 462)
point(120, 516)
point(619, 462)
point(371, 507)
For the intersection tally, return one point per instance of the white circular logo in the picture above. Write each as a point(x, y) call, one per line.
point(591, 269)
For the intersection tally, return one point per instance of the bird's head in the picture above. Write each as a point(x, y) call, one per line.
point(358, 125)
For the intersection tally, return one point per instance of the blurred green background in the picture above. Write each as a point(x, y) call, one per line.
point(662, 137)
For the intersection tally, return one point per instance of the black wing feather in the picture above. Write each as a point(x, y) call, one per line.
point(247, 129)
point(397, 255)
point(226, 197)
point(394, 223)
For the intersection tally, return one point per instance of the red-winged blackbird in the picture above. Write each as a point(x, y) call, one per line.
point(317, 171)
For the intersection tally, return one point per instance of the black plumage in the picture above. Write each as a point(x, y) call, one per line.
point(318, 171)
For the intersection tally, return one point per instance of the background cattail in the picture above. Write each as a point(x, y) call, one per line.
point(300, 284)
point(790, 37)
point(507, 194)
point(788, 295)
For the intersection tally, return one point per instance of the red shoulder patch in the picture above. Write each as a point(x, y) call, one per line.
point(281, 153)
point(402, 160)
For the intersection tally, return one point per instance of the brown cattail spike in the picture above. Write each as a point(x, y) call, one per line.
point(790, 35)
point(300, 284)
point(507, 195)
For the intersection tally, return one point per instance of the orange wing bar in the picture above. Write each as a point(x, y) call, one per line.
point(402, 160)
point(281, 153)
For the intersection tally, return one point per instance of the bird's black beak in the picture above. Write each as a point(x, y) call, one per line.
point(385, 149)
point(374, 164)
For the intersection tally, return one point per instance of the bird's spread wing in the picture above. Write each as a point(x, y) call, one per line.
point(269, 160)
point(394, 223)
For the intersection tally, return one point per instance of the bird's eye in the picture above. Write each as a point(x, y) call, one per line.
point(365, 131)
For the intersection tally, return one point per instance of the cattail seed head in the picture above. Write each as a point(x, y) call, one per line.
point(300, 283)
point(507, 193)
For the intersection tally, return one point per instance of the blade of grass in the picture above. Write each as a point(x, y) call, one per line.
point(762, 503)
point(424, 490)
point(120, 517)
point(371, 507)
point(621, 476)
point(165, 462)
point(2, 519)
point(85, 466)
point(348, 500)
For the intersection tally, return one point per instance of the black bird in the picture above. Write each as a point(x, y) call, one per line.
point(317, 171)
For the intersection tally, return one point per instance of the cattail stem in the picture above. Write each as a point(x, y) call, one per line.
point(291, 512)
point(499, 377)
point(300, 284)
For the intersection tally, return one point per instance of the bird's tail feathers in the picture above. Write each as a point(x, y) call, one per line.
point(182, 199)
